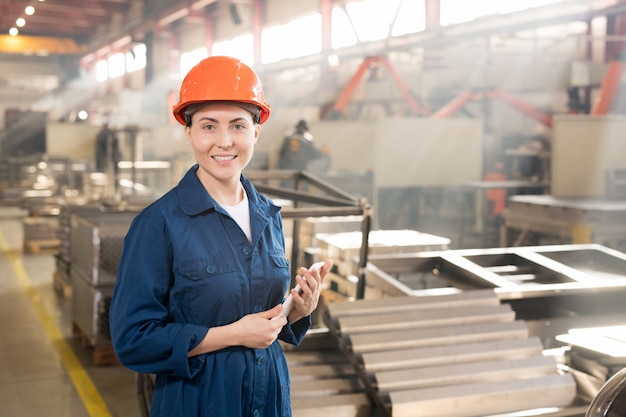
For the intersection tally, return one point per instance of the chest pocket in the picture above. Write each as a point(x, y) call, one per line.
point(202, 268)
point(279, 259)
point(210, 290)
point(280, 268)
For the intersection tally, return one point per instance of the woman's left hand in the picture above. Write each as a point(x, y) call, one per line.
point(311, 284)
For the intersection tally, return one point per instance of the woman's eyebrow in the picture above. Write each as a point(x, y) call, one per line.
point(236, 119)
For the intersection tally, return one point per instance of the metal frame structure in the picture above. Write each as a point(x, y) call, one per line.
point(373, 63)
point(567, 220)
point(314, 197)
point(516, 273)
point(462, 99)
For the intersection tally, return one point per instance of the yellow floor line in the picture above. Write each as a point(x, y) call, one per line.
point(83, 384)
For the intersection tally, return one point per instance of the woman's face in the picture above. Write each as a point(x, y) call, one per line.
point(222, 137)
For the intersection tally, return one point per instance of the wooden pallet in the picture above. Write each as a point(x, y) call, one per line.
point(103, 355)
point(61, 285)
point(42, 247)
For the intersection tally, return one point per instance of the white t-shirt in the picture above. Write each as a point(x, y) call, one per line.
point(241, 214)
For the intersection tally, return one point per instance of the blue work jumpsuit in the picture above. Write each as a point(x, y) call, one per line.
point(186, 267)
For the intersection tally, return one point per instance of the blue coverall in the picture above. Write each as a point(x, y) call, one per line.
point(186, 267)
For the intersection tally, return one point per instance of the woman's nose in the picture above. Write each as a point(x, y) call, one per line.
point(224, 140)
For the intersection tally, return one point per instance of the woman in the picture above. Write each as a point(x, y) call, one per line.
point(204, 267)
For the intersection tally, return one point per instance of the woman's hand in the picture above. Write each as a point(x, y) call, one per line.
point(258, 331)
point(311, 284)
point(255, 331)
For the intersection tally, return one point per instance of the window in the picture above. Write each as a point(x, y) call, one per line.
point(393, 17)
point(189, 59)
point(368, 29)
point(411, 18)
point(343, 34)
point(102, 71)
point(241, 47)
point(136, 58)
point(300, 37)
point(458, 11)
point(116, 65)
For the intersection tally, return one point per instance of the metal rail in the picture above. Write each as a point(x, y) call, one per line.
point(315, 197)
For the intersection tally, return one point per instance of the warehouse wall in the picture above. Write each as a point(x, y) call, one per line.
point(76, 141)
point(419, 152)
point(16, 72)
point(583, 149)
point(406, 152)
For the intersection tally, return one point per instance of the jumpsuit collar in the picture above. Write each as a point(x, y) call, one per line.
point(194, 199)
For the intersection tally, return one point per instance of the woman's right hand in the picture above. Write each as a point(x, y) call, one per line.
point(257, 331)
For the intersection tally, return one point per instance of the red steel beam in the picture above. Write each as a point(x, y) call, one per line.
point(347, 92)
point(455, 105)
point(522, 106)
point(404, 89)
point(367, 63)
point(609, 88)
point(462, 99)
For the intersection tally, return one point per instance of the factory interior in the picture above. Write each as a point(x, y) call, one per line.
point(467, 179)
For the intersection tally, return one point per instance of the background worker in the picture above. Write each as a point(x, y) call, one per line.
point(108, 153)
point(107, 148)
point(204, 269)
point(299, 152)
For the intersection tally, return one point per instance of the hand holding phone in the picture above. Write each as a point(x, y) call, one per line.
point(288, 304)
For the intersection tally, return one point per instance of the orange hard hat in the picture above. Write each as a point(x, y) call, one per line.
point(221, 78)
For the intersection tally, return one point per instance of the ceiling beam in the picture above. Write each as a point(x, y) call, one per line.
point(38, 45)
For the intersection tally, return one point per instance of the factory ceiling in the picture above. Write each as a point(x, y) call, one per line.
point(75, 19)
point(74, 27)
point(77, 27)
point(55, 34)
point(66, 30)
point(56, 26)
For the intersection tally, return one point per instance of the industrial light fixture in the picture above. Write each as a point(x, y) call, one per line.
point(20, 21)
point(82, 115)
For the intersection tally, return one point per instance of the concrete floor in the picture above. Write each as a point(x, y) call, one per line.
point(45, 369)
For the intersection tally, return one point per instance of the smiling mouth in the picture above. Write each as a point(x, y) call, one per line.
point(224, 158)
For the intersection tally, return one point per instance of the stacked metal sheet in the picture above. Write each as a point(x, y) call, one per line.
point(91, 210)
point(569, 220)
point(344, 248)
point(455, 355)
point(96, 250)
point(311, 227)
point(323, 381)
point(37, 228)
point(40, 234)
point(64, 256)
point(606, 344)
